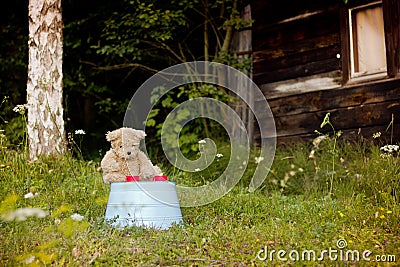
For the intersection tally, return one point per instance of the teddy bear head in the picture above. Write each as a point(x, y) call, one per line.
point(125, 142)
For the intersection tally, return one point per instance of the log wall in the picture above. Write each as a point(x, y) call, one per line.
point(297, 63)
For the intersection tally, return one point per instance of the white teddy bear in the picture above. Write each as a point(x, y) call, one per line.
point(125, 158)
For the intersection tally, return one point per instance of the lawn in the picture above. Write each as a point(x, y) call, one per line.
point(337, 206)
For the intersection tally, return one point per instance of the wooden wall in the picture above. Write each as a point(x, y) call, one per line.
point(297, 65)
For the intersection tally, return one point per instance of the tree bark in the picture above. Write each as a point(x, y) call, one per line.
point(44, 87)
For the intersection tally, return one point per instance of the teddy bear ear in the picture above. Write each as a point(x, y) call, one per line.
point(141, 134)
point(111, 136)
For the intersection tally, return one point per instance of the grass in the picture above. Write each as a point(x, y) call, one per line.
point(301, 206)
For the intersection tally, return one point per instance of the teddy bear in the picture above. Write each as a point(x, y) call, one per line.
point(125, 158)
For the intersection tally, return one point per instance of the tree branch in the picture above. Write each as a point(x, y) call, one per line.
point(229, 31)
point(120, 66)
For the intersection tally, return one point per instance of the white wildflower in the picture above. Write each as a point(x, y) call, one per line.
point(258, 159)
point(80, 131)
point(20, 108)
point(30, 195)
point(292, 173)
point(312, 153)
point(29, 260)
point(197, 170)
point(376, 135)
point(202, 141)
point(301, 170)
point(390, 148)
point(219, 155)
point(318, 140)
point(76, 217)
point(22, 214)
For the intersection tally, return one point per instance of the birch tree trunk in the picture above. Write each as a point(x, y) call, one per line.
point(44, 87)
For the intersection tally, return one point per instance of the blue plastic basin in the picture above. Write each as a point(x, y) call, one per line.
point(143, 204)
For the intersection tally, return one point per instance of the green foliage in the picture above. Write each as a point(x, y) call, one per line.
point(197, 129)
point(333, 150)
point(109, 50)
point(142, 23)
point(14, 56)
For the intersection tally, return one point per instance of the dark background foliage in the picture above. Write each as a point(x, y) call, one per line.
point(110, 49)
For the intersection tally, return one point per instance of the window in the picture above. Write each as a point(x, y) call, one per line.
point(370, 40)
point(367, 40)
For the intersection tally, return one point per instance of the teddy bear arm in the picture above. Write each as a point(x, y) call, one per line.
point(111, 170)
point(147, 170)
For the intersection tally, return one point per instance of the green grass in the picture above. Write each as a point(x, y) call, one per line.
point(293, 210)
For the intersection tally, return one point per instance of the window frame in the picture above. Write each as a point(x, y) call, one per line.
point(391, 12)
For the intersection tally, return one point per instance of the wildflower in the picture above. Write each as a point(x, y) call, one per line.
point(258, 159)
point(390, 148)
point(29, 260)
point(301, 170)
point(82, 132)
point(318, 140)
point(22, 214)
point(292, 173)
point(197, 170)
point(382, 216)
point(219, 155)
point(389, 211)
point(376, 135)
point(341, 214)
point(30, 195)
point(20, 108)
point(76, 217)
point(311, 156)
point(202, 141)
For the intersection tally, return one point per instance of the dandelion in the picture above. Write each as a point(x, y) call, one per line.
point(30, 195)
point(376, 135)
point(389, 211)
point(80, 131)
point(382, 216)
point(76, 217)
point(258, 159)
point(20, 108)
point(219, 155)
point(202, 141)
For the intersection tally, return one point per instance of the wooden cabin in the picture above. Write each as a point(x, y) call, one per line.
point(313, 57)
